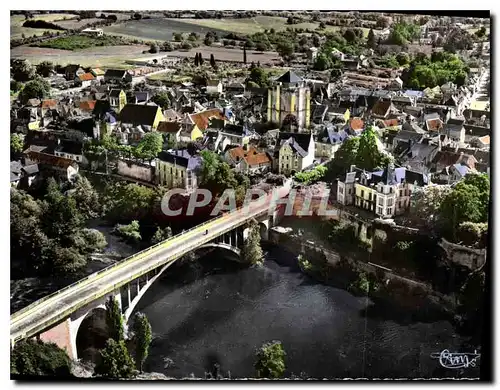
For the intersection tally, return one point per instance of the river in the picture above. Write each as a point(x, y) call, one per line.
point(218, 311)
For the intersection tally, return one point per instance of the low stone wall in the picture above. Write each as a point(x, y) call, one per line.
point(135, 170)
point(458, 254)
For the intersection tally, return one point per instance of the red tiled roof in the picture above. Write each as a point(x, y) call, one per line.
point(357, 124)
point(86, 77)
point(201, 119)
point(485, 140)
point(391, 122)
point(49, 103)
point(434, 124)
point(252, 156)
point(50, 159)
point(87, 105)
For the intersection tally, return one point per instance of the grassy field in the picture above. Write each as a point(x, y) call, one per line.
point(78, 42)
point(17, 29)
point(103, 57)
point(256, 24)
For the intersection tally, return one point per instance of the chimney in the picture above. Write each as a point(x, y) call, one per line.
point(245, 147)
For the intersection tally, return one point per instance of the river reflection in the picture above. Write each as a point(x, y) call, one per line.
point(219, 312)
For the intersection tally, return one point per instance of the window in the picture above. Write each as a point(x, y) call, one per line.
point(389, 210)
point(362, 193)
point(400, 204)
point(379, 210)
point(390, 190)
point(77, 158)
point(182, 174)
point(296, 163)
point(341, 190)
point(349, 191)
point(370, 196)
point(400, 192)
point(390, 202)
point(380, 201)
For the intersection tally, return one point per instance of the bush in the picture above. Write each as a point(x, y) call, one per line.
point(471, 233)
point(42, 24)
point(129, 232)
point(311, 176)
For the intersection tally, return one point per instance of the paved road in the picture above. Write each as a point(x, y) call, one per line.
point(40, 315)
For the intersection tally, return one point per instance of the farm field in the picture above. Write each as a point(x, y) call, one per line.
point(225, 54)
point(17, 29)
point(161, 29)
point(77, 42)
point(104, 56)
point(164, 28)
point(256, 24)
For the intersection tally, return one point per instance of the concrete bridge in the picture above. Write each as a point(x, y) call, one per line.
point(57, 318)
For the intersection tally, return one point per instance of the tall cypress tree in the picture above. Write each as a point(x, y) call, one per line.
point(200, 59)
point(114, 319)
point(244, 55)
point(143, 337)
point(252, 251)
point(370, 41)
point(212, 61)
point(196, 62)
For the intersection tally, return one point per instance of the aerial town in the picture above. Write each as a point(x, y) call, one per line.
point(138, 140)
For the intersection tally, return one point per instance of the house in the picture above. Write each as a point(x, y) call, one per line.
point(433, 122)
point(141, 115)
point(247, 159)
point(355, 126)
point(338, 114)
point(98, 73)
point(117, 99)
point(141, 97)
point(86, 106)
point(235, 134)
point(452, 174)
point(312, 53)
point(116, 75)
point(481, 142)
point(386, 193)
point(72, 71)
point(143, 171)
point(15, 173)
point(338, 54)
point(454, 131)
point(318, 112)
point(201, 121)
point(65, 168)
point(329, 141)
point(172, 115)
point(178, 169)
point(85, 79)
point(351, 63)
point(214, 87)
point(383, 108)
point(236, 88)
point(446, 158)
point(416, 155)
point(172, 130)
point(295, 153)
point(94, 32)
point(70, 150)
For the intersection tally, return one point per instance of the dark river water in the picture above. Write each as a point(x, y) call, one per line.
point(217, 311)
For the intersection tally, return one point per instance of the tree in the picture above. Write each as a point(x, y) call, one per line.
point(162, 100)
point(142, 339)
point(252, 251)
point(481, 32)
point(368, 156)
point(462, 204)
point(161, 235)
point(193, 37)
point(137, 16)
point(403, 58)
point(370, 41)
point(244, 55)
point(178, 37)
point(153, 48)
point(125, 202)
point(346, 155)
point(167, 46)
point(350, 36)
point(44, 68)
point(383, 22)
point(130, 232)
point(425, 203)
point(212, 61)
point(259, 76)
point(322, 62)
point(200, 59)
point(285, 48)
point(114, 320)
point(86, 198)
point(16, 143)
point(208, 41)
point(35, 358)
point(37, 88)
point(150, 145)
point(196, 62)
point(270, 360)
point(115, 362)
point(21, 70)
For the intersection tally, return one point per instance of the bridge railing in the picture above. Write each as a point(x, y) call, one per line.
point(127, 260)
point(118, 264)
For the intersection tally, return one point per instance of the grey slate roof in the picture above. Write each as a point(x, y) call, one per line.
point(290, 77)
point(181, 157)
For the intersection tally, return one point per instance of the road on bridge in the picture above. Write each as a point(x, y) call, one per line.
point(43, 313)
